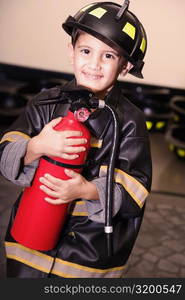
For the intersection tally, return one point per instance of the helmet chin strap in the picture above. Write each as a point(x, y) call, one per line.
point(122, 10)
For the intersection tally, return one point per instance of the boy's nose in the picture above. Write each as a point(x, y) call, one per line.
point(95, 63)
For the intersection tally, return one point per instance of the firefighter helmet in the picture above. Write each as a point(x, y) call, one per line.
point(116, 26)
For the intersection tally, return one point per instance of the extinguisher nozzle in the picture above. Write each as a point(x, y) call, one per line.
point(96, 103)
point(109, 244)
point(109, 230)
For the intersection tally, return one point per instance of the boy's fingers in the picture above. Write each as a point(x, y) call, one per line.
point(71, 133)
point(52, 179)
point(47, 183)
point(70, 142)
point(54, 201)
point(54, 122)
point(69, 156)
point(74, 149)
point(71, 173)
point(48, 191)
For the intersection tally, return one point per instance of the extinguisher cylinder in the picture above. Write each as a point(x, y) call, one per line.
point(38, 224)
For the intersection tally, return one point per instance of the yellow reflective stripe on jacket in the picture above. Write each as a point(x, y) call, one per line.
point(72, 270)
point(95, 143)
point(30, 257)
point(137, 191)
point(13, 136)
point(78, 208)
point(48, 264)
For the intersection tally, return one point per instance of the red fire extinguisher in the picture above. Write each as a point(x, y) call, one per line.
point(38, 224)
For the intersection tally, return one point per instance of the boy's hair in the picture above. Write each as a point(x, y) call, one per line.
point(114, 25)
point(75, 35)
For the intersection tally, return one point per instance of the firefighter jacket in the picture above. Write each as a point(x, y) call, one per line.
point(81, 250)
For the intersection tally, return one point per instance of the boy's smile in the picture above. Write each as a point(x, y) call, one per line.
point(96, 65)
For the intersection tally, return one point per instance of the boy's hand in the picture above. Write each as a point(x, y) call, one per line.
point(64, 191)
point(55, 143)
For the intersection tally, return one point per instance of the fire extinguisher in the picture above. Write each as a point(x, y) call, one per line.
point(38, 224)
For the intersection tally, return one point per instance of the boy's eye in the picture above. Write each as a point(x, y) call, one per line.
point(85, 51)
point(110, 56)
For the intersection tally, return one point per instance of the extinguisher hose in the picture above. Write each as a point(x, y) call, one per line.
point(110, 181)
point(94, 102)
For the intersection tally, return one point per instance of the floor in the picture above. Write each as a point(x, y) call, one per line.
point(160, 247)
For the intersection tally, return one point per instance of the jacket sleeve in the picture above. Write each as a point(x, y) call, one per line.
point(12, 167)
point(13, 146)
point(96, 208)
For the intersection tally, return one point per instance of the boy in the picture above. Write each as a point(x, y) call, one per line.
point(107, 40)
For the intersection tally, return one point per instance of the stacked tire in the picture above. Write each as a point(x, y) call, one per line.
point(175, 134)
point(155, 105)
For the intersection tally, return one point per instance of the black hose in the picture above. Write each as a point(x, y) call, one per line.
point(110, 181)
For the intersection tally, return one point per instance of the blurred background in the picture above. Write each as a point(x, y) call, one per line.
point(33, 57)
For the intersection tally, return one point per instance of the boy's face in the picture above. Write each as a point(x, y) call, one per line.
point(96, 65)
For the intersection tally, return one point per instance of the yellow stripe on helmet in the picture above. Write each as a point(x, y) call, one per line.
point(98, 12)
point(143, 45)
point(130, 30)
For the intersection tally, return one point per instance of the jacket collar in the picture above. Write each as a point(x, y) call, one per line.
point(99, 121)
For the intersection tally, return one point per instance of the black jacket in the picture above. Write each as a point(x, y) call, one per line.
point(81, 251)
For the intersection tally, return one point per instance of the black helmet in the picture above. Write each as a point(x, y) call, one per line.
point(116, 26)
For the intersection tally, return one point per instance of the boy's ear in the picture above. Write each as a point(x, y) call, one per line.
point(71, 53)
point(126, 68)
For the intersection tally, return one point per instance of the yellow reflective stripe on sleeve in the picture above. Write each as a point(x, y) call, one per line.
point(30, 257)
point(78, 208)
point(14, 136)
point(136, 190)
point(72, 270)
point(130, 30)
point(7, 140)
point(98, 12)
point(143, 45)
point(79, 213)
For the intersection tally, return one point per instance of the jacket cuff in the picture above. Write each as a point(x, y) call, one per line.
point(12, 166)
point(96, 208)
